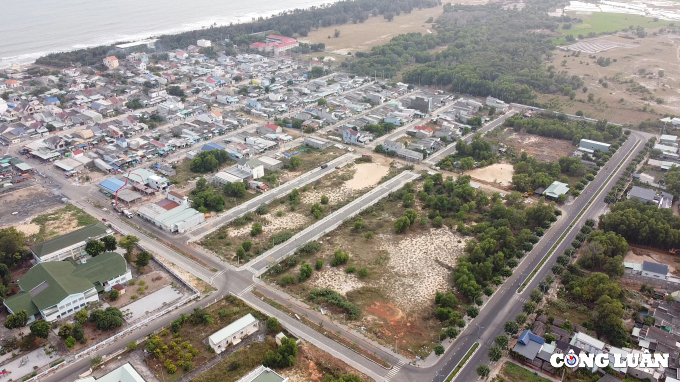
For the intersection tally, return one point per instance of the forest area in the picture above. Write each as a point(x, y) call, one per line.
point(290, 23)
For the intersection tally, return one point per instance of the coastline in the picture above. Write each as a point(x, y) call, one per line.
point(28, 59)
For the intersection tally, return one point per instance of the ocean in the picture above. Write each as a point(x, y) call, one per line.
point(33, 28)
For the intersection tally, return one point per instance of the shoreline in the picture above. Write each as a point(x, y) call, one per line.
point(28, 59)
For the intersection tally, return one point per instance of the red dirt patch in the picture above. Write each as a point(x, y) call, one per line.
point(387, 311)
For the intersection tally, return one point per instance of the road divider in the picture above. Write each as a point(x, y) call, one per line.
point(461, 364)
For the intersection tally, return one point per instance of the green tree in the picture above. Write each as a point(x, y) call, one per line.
point(113, 295)
point(81, 316)
point(94, 247)
point(483, 371)
point(236, 189)
point(294, 163)
point(472, 311)
point(467, 163)
point(502, 341)
point(128, 243)
point(240, 253)
point(536, 296)
point(316, 210)
point(521, 318)
point(529, 307)
point(65, 331)
point(143, 259)
point(132, 345)
point(511, 328)
point(273, 324)
point(41, 329)
point(109, 243)
point(495, 353)
point(402, 224)
point(438, 350)
point(284, 356)
point(322, 102)
point(16, 320)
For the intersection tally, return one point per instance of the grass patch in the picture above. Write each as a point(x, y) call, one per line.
point(516, 373)
point(462, 362)
point(238, 364)
point(606, 22)
point(60, 222)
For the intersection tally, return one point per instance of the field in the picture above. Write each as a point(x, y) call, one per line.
point(515, 373)
point(353, 37)
point(605, 22)
point(630, 89)
point(500, 173)
point(286, 217)
point(26, 202)
point(638, 254)
point(402, 273)
point(59, 222)
point(542, 148)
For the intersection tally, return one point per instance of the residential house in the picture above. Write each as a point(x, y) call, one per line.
point(270, 164)
point(269, 129)
point(394, 146)
point(643, 195)
point(355, 137)
point(410, 155)
point(111, 62)
point(528, 345)
point(233, 333)
point(555, 190)
point(173, 214)
point(252, 166)
point(58, 289)
point(498, 104)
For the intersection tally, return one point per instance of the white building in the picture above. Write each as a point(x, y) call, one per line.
point(253, 166)
point(498, 104)
point(655, 270)
point(203, 43)
point(158, 182)
point(173, 214)
point(125, 373)
point(233, 333)
point(58, 289)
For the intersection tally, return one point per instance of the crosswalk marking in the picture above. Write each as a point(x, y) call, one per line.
point(395, 370)
point(250, 287)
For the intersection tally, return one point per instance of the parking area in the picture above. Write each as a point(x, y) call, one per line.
point(150, 303)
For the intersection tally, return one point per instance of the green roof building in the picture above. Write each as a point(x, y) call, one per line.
point(71, 245)
point(263, 374)
point(556, 189)
point(57, 289)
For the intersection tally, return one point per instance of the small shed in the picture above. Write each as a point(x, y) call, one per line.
point(119, 288)
point(233, 333)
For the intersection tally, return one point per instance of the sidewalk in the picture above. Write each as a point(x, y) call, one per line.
point(36, 359)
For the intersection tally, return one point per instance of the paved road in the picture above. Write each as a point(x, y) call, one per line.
point(506, 303)
point(329, 223)
point(214, 223)
point(451, 148)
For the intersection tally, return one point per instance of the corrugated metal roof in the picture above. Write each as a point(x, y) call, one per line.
point(232, 328)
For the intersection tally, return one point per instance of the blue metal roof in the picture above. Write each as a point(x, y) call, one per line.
point(527, 336)
point(112, 184)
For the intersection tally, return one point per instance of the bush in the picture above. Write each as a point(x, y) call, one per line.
point(256, 229)
point(363, 272)
point(324, 199)
point(319, 264)
point(70, 342)
point(132, 345)
point(247, 245)
point(340, 257)
point(351, 269)
point(287, 280)
point(113, 295)
point(273, 324)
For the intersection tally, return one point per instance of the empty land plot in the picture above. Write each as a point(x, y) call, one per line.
point(639, 254)
point(27, 202)
point(287, 216)
point(496, 173)
point(542, 148)
point(311, 158)
point(61, 222)
point(402, 273)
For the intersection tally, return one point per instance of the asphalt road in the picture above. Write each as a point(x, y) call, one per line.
point(506, 303)
point(330, 222)
point(214, 223)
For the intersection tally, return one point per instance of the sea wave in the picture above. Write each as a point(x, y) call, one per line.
point(113, 38)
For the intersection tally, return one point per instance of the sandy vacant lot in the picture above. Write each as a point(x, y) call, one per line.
point(496, 173)
point(28, 229)
point(542, 148)
point(367, 175)
point(651, 54)
point(639, 254)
